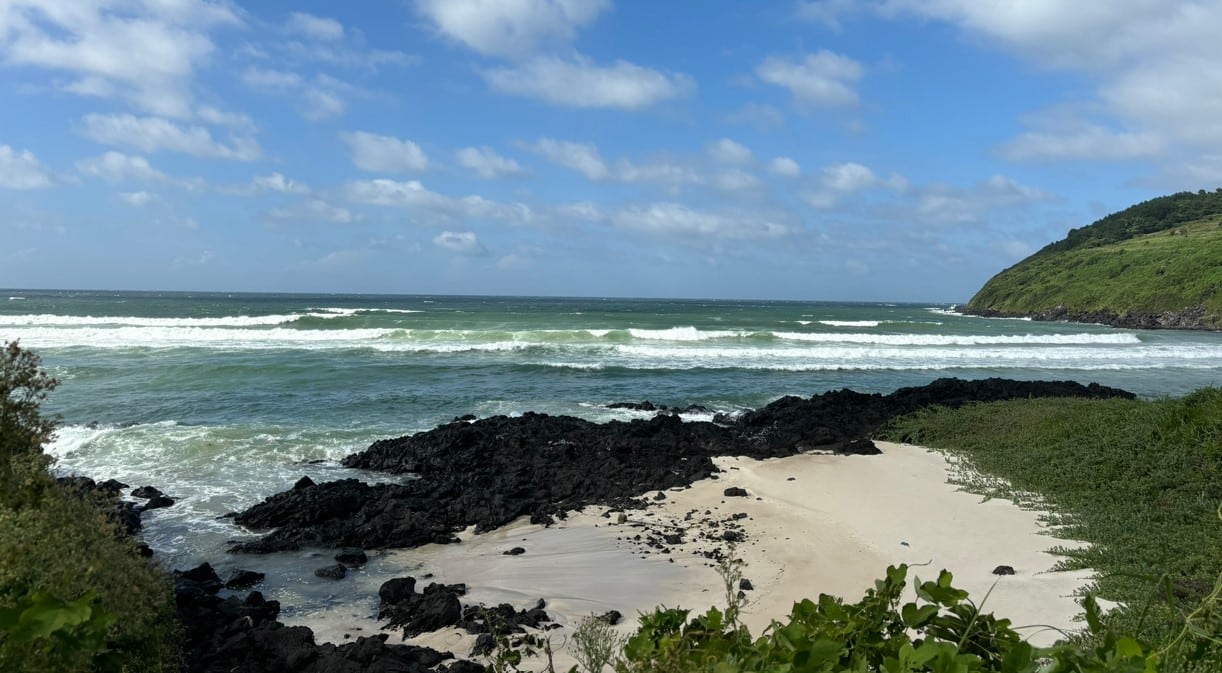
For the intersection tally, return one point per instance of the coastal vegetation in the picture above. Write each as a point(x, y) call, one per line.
point(1156, 264)
point(1140, 481)
point(74, 593)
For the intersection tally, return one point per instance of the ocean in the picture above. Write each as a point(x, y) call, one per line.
point(221, 400)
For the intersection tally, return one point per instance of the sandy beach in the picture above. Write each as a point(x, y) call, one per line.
point(813, 524)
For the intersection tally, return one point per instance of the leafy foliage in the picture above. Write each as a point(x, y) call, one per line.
point(67, 630)
point(24, 385)
point(940, 631)
point(74, 593)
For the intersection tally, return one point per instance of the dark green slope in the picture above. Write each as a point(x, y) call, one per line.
point(1156, 264)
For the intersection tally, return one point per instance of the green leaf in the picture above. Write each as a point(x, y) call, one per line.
point(1128, 648)
point(1094, 618)
point(1020, 659)
point(915, 617)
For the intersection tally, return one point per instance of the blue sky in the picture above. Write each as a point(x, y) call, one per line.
point(886, 150)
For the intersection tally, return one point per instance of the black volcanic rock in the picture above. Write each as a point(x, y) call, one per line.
point(243, 579)
point(435, 608)
point(242, 634)
point(146, 492)
point(332, 572)
point(352, 556)
point(490, 471)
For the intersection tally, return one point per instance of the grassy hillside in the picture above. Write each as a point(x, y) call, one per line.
point(1116, 275)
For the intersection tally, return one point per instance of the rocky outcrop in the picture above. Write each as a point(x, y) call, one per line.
point(1191, 318)
point(242, 634)
point(488, 472)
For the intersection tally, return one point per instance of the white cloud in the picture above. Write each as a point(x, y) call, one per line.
point(461, 242)
point(678, 220)
point(382, 192)
point(848, 177)
point(510, 28)
point(785, 166)
point(314, 210)
point(22, 170)
point(838, 180)
point(119, 167)
point(317, 99)
point(736, 180)
point(827, 12)
point(315, 27)
point(152, 134)
point(944, 204)
point(760, 115)
point(415, 196)
point(1154, 65)
point(577, 82)
point(137, 198)
point(587, 160)
point(143, 52)
point(581, 157)
point(1086, 141)
point(583, 210)
point(823, 78)
point(277, 183)
point(729, 152)
point(659, 172)
point(261, 184)
point(522, 257)
point(486, 163)
point(377, 153)
point(271, 79)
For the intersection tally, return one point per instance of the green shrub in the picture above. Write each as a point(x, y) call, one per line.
point(941, 631)
point(74, 593)
point(66, 549)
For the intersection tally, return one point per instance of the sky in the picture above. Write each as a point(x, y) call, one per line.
point(873, 150)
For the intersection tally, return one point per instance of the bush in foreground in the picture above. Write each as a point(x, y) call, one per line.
point(941, 631)
point(74, 593)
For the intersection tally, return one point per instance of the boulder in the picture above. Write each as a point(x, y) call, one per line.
point(333, 572)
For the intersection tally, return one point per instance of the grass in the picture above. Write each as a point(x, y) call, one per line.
point(1139, 480)
point(1164, 271)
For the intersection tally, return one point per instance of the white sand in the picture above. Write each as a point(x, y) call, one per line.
point(833, 528)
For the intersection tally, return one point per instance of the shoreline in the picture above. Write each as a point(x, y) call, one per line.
point(833, 528)
point(1187, 320)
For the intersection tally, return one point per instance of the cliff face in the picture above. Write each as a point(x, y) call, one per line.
point(1131, 269)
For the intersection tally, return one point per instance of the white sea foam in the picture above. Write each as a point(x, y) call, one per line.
point(131, 337)
point(51, 320)
point(344, 312)
point(678, 340)
point(961, 339)
point(684, 334)
point(850, 323)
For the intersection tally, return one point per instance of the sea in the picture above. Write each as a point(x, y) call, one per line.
point(223, 399)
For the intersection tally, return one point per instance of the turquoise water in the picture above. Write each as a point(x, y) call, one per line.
point(223, 399)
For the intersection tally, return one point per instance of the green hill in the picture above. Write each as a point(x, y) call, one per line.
point(1156, 264)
